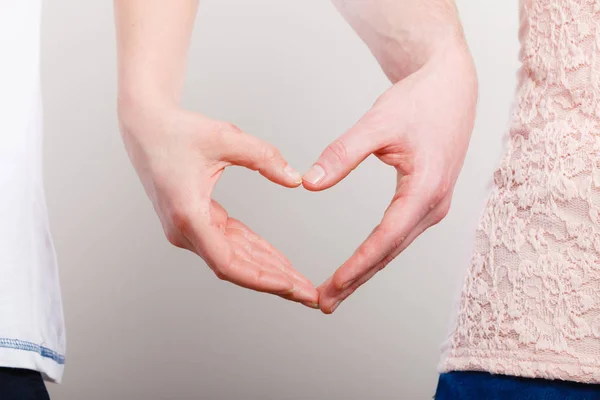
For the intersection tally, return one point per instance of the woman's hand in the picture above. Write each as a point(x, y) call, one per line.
point(179, 156)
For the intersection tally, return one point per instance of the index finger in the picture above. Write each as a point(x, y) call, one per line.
point(406, 211)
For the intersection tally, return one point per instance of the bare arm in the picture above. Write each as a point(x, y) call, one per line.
point(403, 34)
point(153, 38)
point(179, 155)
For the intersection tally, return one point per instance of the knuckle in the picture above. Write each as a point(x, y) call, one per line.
point(397, 243)
point(366, 250)
point(439, 192)
point(180, 219)
point(233, 128)
point(441, 212)
point(338, 281)
point(337, 152)
point(228, 127)
point(385, 262)
point(269, 154)
point(387, 233)
point(174, 238)
point(259, 277)
point(222, 131)
point(383, 230)
point(221, 273)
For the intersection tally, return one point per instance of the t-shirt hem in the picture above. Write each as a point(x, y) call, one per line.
point(51, 369)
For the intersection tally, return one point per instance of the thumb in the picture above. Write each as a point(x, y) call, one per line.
point(343, 155)
point(240, 148)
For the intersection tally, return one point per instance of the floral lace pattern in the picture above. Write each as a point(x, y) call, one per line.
point(530, 305)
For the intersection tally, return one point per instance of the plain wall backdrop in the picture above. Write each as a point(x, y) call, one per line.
point(148, 321)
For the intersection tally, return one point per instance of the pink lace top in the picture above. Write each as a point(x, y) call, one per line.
point(530, 305)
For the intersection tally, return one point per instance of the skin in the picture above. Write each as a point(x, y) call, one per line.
point(421, 126)
point(179, 155)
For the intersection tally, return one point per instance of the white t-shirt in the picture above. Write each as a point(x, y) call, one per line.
point(32, 334)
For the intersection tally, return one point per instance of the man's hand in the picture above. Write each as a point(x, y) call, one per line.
point(421, 126)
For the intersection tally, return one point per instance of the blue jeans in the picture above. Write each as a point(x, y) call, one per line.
point(472, 385)
point(22, 384)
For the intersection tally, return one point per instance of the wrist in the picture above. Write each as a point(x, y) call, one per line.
point(134, 101)
point(139, 112)
point(410, 51)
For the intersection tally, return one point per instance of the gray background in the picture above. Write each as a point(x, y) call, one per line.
point(148, 321)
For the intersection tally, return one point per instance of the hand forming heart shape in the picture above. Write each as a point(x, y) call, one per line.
point(421, 126)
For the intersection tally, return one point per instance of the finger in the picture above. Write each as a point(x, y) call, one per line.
point(263, 256)
point(204, 230)
point(243, 272)
point(256, 240)
point(297, 297)
point(331, 296)
point(239, 148)
point(251, 250)
point(299, 292)
point(345, 154)
point(266, 259)
point(403, 215)
point(255, 252)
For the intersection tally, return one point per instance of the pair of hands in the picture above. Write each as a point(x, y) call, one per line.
point(421, 126)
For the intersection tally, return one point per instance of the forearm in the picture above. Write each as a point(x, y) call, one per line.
point(152, 43)
point(403, 34)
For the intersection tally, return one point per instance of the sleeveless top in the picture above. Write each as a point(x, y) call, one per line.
point(31, 318)
point(530, 305)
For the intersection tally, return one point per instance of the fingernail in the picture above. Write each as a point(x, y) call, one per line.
point(315, 174)
point(312, 305)
point(335, 306)
point(293, 174)
point(292, 290)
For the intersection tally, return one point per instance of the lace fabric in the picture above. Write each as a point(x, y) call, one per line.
point(530, 305)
